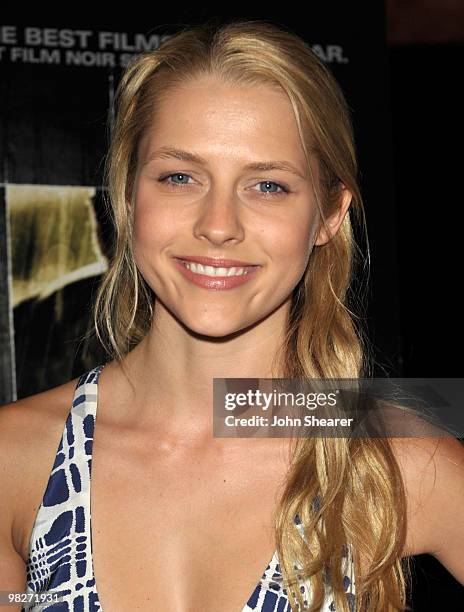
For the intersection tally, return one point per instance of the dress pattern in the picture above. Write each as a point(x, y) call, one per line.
point(60, 575)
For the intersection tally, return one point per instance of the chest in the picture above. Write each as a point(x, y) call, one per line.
point(182, 531)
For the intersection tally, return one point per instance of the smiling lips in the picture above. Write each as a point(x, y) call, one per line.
point(216, 274)
point(215, 261)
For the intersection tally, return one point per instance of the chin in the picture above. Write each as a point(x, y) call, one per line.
point(214, 327)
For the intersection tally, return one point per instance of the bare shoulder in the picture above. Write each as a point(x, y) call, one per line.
point(30, 431)
point(433, 474)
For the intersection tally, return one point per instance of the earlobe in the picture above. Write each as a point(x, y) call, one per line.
point(334, 221)
point(325, 235)
point(322, 237)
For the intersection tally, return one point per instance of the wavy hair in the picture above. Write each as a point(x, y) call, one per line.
point(361, 499)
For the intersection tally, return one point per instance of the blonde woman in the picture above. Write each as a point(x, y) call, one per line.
point(231, 148)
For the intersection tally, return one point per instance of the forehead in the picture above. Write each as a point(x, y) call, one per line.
point(227, 120)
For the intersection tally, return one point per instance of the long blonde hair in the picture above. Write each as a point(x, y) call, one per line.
point(361, 500)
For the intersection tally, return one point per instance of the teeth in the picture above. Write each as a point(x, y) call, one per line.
point(212, 271)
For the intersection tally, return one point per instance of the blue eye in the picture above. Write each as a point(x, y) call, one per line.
point(272, 193)
point(269, 194)
point(163, 179)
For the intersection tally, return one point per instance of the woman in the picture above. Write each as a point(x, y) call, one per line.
point(231, 148)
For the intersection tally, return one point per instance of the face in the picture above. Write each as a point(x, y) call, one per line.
point(206, 202)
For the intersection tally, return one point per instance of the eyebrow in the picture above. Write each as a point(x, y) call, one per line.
point(176, 153)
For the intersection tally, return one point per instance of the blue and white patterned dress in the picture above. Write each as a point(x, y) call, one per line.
point(60, 549)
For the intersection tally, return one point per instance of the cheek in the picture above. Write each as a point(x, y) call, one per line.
point(151, 231)
point(290, 245)
point(153, 224)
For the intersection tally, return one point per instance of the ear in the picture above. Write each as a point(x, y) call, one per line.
point(335, 220)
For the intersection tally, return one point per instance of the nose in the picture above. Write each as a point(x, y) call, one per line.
point(219, 218)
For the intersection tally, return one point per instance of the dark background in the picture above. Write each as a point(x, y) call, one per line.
point(425, 51)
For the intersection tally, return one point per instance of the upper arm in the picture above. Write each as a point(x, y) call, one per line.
point(433, 476)
point(29, 434)
point(12, 566)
